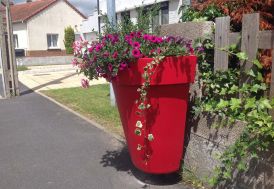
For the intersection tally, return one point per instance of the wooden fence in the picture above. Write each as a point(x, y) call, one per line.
point(250, 40)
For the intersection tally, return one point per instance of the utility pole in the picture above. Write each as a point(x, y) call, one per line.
point(111, 13)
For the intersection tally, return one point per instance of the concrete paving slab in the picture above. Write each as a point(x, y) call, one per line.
point(43, 146)
point(53, 77)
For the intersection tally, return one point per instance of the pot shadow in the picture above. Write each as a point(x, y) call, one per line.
point(120, 160)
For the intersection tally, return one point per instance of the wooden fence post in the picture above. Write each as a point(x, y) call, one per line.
point(250, 41)
point(11, 47)
point(221, 41)
point(4, 60)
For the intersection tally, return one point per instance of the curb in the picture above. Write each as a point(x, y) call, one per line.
point(92, 122)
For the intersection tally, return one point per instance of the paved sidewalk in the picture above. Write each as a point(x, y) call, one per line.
point(43, 146)
point(52, 77)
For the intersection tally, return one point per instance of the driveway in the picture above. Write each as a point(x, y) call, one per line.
point(43, 146)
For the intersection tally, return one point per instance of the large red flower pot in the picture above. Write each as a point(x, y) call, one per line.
point(168, 96)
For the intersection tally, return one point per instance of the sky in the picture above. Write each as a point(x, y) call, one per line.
point(85, 6)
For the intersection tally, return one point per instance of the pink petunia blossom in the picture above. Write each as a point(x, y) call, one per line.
point(123, 66)
point(136, 44)
point(132, 34)
point(74, 62)
point(139, 34)
point(98, 47)
point(106, 54)
point(110, 67)
point(85, 83)
point(153, 39)
point(136, 53)
point(115, 55)
point(146, 37)
point(159, 39)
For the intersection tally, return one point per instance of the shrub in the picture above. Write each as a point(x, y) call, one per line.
point(69, 39)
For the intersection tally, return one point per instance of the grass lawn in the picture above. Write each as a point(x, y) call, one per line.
point(22, 68)
point(93, 103)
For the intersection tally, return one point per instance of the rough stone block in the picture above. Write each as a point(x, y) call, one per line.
point(190, 30)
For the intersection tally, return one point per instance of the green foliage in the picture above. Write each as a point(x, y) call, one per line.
point(207, 14)
point(69, 39)
point(224, 96)
point(22, 68)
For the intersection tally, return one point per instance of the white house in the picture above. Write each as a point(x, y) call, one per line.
point(89, 27)
point(168, 12)
point(38, 26)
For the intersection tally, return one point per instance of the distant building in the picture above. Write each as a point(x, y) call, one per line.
point(38, 26)
point(89, 27)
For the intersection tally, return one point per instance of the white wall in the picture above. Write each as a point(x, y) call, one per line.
point(123, 5)
point(51, 21)
point(20, 29)
point(174, 6)
point(88, 25)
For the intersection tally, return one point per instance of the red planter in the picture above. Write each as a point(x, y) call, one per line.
point(166, 118)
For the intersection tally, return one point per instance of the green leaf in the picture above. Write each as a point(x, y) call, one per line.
point(233, 47)
point(241, 166)
point(235, 103)
point(250, 103)
point(265, 103)
point(242, 56)
point(257, 63)
point(251, 73)
point(259, 76)
point(255, 88)
point(138, 132)
point(222, 104)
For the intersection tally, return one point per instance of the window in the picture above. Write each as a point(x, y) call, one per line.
point(125, 16)
point(15, 40)
point(52, 40)
point(162, 17)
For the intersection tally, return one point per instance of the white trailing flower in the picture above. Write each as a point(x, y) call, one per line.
point(139, 124)
point(150, 137)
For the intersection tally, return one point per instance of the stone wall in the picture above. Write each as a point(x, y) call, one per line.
point(204, 141)
point(50, 60)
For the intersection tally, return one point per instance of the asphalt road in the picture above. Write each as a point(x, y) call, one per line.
point(43, 146)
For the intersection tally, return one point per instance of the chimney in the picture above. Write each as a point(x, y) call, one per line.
point(28, 1)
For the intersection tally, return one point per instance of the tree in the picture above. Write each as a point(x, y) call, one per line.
point(69, 39)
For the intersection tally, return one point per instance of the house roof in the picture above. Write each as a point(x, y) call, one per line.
point(23, 12)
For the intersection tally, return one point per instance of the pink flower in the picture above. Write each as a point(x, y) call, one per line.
point(122, 66)
point(115, 55)
point(132, 34)
point(159, 50)
point(139, 34)
point(110, 67)
point(90, 49)
point(74, 62)
point(136, 53)
point(136, 44)
point(159, 40)
point(98, 47)
point(146, 37)
point(109, 36)
point(85, 83)
point(153, 39)
point(106, 54)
